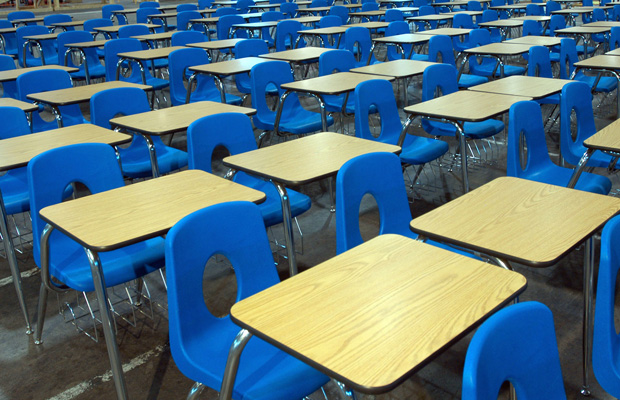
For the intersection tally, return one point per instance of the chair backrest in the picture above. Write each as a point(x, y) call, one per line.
point(91, 24)
point(464, 21)
point(336, 61)
point(289, 9)
point(243, 6)
point(441, 46)
point(10, 39)
point(394, 15)
point(439, 78)
point(9, 88)
point(184, 17)
point(286, 35)
point(65, 38)
point(209, 133)
point(426, 10)
point(526, 121)
point(111, 49)
point(178, 62)
point(48, 20)
point(552, 6)
point(272, 16)
point(515, 344)
point(143, 13)
point(576, 97)
point(14, 123)
point(106, 13)
point(225, 23)
point(568, 57)
point(533, 9)
point(329, 21)
point(128, 31)
point(187, 7)
point(556, 22)
point(340, 11)
point(616, 13)
point(357, 40)
point(598, 14)
point(420, 3)
point(474, 5)
point(377, 95)
point(250, 48)
point(182, 38)
point(268, 75)
point(318, 3)
point(110, 103)
point(531, 28)
point(489, 15)
point(204, 4)
point(539, 62)
point(49, 50)
point(189, 245)
point(606, 340)
point(149, 4)
point(221, 11)
point(614, 38)
point(397, 28)
point(370, 6)
point(50, 173)
point(379, 175)
point(13, 15)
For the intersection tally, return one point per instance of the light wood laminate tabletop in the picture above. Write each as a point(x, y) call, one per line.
point(536, 40)
point(23, 105)
point(502, 23)
point(229, 67)
point(174, 119)
point(12, 74)
point(80, 94)
point(296, 55)
point(376, 314)
point(151, 54)
point(520, 85)
point(332, 84)
point(446, 31)
point(216, 44)
point(397, 68)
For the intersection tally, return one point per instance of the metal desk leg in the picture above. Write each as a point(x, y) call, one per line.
point(287, 222)
point(232, 364)
point(10, 255)
point(220, 86)
point(581, 165)
point(279, 107)
point(190, 82)
point(152, 155)
point(323, 111)
point(57, 115)
point(106, 321)
point(588, 293)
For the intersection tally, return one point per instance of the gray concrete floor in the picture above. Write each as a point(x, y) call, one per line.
point(69, 365)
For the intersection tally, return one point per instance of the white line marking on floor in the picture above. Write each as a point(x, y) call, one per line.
point(26, 274)
point(82, 387)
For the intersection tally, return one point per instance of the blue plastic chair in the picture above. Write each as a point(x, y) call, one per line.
point(443, 77)
point(357, 40)
point(96, 70)
point(48, 20)
point(129, 31)
point(49, 50)
point(577, 97)
point(9, 88)
point(142, 17)
point(91, 24)
point(106, 13)
point(187, 7)
point(183, 23)
point(270, 16)
point(43, 81)
point(539, 64)
point(9, 39)
point(378, 96)
point(337, 61)
point(474, 5)
point(614, 38)
point(328, 22)
point(394, 15)
point(234, 132)
point(249, 48)
point(464, 21)
point(14, 183)
point(495, 33)
point(12, 16)
point(526, 124)
point(135, 161)
point(487, 65)
point(181, 38)
point(531, 27)
point(552, 6)
point(199, 341)
point(224, 26)
point(204, 4)
point(340, 11)
point(606, 341)
point(517, 344)
point(568, 58)
point(441, 46)
point(534, 9)
point(294, 119)
point(289, 9)
point(95, 166)
point(421, 25)
point(221, 11)
point(205, 89)
point(111, 50)
point(149, 4)
point(398, 28)
point(243, 6)
point(287, 34)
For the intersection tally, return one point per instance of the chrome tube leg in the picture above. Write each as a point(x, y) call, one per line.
point(279, 107)
point(41, 310)
point(232, 364)
point(152, 155)
point(195, 391)
point(332, 204)
point(287, 222)
point(190, 82)
point(10, 255)
point(57, 115)
point(463, 145)
point(345, 390)
point(581, 165)
point(323, 111)
point(588, 283)
point(220, 85)
point(106, 322)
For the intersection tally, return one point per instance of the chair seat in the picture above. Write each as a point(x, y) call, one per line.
point(14, 187)
point(39, 125)
point(420, 150)
point(257, 377)
point(68, 262)
point(271, 208)
point(419, 57)
point(555, 175)
point(135, 161)
point(36, 62)
point(157, 83)
point(97, 71)
point(473, 130)
point(299, 123)
point(605, 84)
point(486, 69)
point(334, 103)
point(468, 80)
